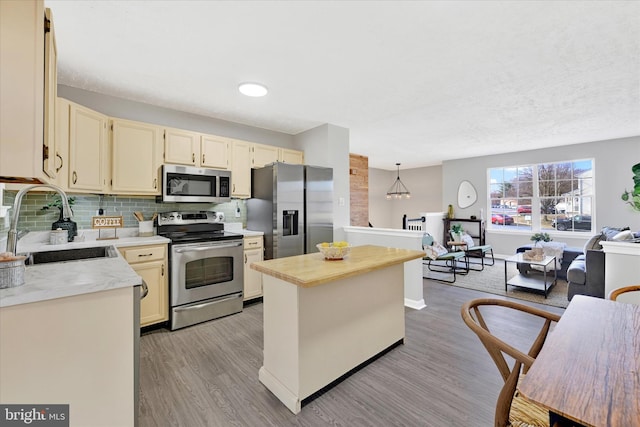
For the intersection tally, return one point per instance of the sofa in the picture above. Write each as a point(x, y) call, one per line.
point(584, 268)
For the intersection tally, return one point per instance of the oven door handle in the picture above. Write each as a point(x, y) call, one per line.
point(204, 304)
point(207, 248)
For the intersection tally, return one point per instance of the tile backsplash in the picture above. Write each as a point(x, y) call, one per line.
point(34, 218)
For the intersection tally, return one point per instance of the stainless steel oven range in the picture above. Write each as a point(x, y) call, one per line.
point(205, 267)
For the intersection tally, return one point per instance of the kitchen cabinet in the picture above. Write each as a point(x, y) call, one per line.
point(181, 147)
point(50, 153)
point(150, 262)
point(88, 359)
point(22, 85)
point(262, 155)
point(240, 169)
point(214, 152)
point(87, 149)
point(253, 252)
point(287, 155)
point(136, 156)
point(62, 143)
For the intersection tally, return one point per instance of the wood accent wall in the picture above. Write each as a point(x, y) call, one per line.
point(359, 187)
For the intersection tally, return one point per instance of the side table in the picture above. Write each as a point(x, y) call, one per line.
point(537, 281)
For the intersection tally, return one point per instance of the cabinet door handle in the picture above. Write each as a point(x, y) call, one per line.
point(61, 162)
point(155, 183)
point(234, 188)
point(245, 258)
point(203, 159)
point(193, 157)
point(145, 254)
point(74, 177)
point(162, 270)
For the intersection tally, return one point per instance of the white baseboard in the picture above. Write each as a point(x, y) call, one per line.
point(414, 304)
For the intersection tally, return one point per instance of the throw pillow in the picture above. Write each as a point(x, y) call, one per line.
point(609, 232)
point(623, 235)
point(435, 250)
point(468, 240)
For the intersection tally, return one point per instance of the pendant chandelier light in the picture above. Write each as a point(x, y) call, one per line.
point(398, 190)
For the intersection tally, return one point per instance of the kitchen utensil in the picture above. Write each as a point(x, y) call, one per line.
point(145, 228)
point(138, 216)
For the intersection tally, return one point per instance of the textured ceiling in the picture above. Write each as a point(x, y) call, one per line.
point(415, 82)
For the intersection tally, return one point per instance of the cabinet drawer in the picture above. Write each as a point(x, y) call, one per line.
point(253, 242)
point(143, 253)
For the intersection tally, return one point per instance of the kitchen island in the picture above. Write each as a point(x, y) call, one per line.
point(324, 318)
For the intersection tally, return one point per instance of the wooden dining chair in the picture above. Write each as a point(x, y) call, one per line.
point(511, 408)
point(615, 293)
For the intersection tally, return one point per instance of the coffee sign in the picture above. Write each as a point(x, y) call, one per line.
point(106, 222)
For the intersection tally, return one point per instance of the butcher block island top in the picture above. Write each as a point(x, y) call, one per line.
point(313, 269)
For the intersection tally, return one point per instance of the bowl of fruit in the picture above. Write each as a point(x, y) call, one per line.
point(334, 250)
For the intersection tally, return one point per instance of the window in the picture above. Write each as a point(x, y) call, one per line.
point(542, 197)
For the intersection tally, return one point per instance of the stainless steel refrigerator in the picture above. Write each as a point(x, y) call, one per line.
point(293, 206)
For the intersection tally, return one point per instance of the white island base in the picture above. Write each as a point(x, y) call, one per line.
point(315, 335)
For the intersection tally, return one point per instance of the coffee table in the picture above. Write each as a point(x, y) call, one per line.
point(538, 282)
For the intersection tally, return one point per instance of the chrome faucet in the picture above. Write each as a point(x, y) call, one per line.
point(12, 236)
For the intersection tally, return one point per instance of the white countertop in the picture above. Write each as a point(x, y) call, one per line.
point(236, 227)
point(63, 279)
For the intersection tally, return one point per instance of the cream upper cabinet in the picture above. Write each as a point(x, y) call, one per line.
point(87, 149)
point(262, 155)
point(214, 152)
point(22, 78)
point(62, 143)
point(136, 156)
point(240, 169)
point(181, 147)
point(51, 155)
point(291, 156)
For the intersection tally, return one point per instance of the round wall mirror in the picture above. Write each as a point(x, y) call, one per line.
point(467, 195)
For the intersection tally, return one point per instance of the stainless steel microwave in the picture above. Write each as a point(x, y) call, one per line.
point(188, 184)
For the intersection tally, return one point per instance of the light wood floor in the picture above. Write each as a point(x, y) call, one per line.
point(207, 374)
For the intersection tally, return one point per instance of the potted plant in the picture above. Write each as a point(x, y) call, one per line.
point(63, 223)
point(537, 253)
point(540, 237)
point(456, 232)
point(633, 197)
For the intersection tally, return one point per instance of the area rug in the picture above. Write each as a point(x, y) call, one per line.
point(491, 280)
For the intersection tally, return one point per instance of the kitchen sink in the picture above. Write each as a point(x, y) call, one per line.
point(64, 255)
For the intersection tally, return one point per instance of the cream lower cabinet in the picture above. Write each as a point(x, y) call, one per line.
point(240, 169)
point(253, 252)
point(136, 157)
point(150, 262)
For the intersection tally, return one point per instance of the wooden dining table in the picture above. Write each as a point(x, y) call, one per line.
point(588, 370)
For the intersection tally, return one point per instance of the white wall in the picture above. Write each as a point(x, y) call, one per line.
point(425, 185)
point(328, 145)
point(612, 171)
point(132, 110)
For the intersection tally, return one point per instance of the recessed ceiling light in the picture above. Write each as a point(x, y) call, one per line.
point(252, 89)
